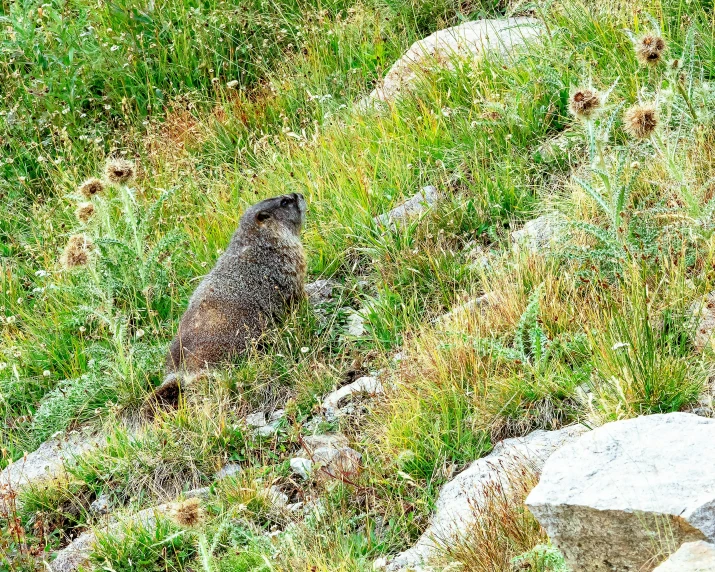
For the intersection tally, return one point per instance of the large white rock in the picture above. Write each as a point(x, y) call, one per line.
point(691, 557)
point(412, 207)
point(468, 40)
point(454, 512)
point(629, 491)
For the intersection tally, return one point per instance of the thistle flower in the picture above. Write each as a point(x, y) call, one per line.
point(187, 513)
point(119, 171)
point(649, 49)
point(91, 187)
point(641, 120)
point(85, 211)
point(584, 103)
point(77, 251)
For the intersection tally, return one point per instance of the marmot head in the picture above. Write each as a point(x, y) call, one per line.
point(275, 214)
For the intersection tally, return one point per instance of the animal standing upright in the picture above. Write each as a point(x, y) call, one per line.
point(253, 284)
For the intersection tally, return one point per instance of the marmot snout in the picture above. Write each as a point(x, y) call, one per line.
point(253, 283)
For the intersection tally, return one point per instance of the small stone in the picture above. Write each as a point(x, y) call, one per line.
point(414, 206)
point(336, 463)
point(355, 325)
point(311, 443)
point(228, 470)
point(301, 467)
point(380, 563)
point(277, 496)
point(320, 292)
point(257, 419)
point(294, 507)
point(536, 235)
point(101, 505)
point(366, 384)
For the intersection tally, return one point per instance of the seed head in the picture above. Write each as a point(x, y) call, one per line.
point(77, 251)
point(650, 49)
point(85, 211)
point(119, 171)
point(641, 120)
point(91, 187)
point(187, 513)
point(584, 103)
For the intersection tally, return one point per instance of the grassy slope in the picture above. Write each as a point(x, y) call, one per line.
point(83, 82)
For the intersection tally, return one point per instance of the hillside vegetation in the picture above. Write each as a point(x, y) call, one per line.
point(218, 104)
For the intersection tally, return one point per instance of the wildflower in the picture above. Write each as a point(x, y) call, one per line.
point(649, 49)
point(187, 513)
point(77, 251)
point(46, 373)
point(139, 333)
point(91, 187)
point(584, 103)
point(119, 171)
point(641, 120)
point(84, 212)
point(232, 84)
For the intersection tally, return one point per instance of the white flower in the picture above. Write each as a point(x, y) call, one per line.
point(46, 373)
point(139, 333)
point(304, 350)
point(620, 345)
point(114, 48)
point(3, 365)
point(232, 84)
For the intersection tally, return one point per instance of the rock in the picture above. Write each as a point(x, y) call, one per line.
point(76, 553)
point(320, 292)
point(536, 235)
point(696, 556)
point(619, 494)
point(312, 443)
point(411, 208)
point(101, 505)
point(439, 50)
point(263, 427)
point(355, 325)
point(366, 384)
point(202, 493)
point(335, 463)
point(302, 467)
point(704, 312)
point(48, 460)
point(380, 563)
point(257, 419)
point(228, 470)
point(453, 512)
point(277, 497)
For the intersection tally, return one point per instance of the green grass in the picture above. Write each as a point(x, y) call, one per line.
point(222, 103)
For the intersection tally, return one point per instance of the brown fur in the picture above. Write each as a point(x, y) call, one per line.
point(254, 282)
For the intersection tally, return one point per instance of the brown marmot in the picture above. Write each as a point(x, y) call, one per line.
point(253, 283)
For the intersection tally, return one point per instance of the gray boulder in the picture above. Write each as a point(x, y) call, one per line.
point(453, 511)
point(412, 207)
point(470, 40)
point(629, 492)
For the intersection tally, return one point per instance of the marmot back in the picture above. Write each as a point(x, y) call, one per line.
point(253, 283)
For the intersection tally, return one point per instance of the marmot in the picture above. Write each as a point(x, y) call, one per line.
point(253, 283)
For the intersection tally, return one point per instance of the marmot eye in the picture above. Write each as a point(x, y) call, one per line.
point(285, 202)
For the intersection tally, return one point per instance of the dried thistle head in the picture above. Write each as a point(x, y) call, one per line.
point(77, 251)
point(650, 49)
point(584, 103)
point(119, 171)
point(85, 211)
point(91, 187)
point(187, 513)
point(641, 120)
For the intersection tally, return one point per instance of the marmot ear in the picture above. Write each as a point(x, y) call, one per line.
point(262, 216)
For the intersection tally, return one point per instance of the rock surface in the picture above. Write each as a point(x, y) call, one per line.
point(77, 552)
point(453, 509)
point(320, 291)
point(366, 384)
point(696, 556)
point(48, 460)
point(464, 311)
point(536, 234)
point(412, 207)
point(468, 40)
point(627, 492)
